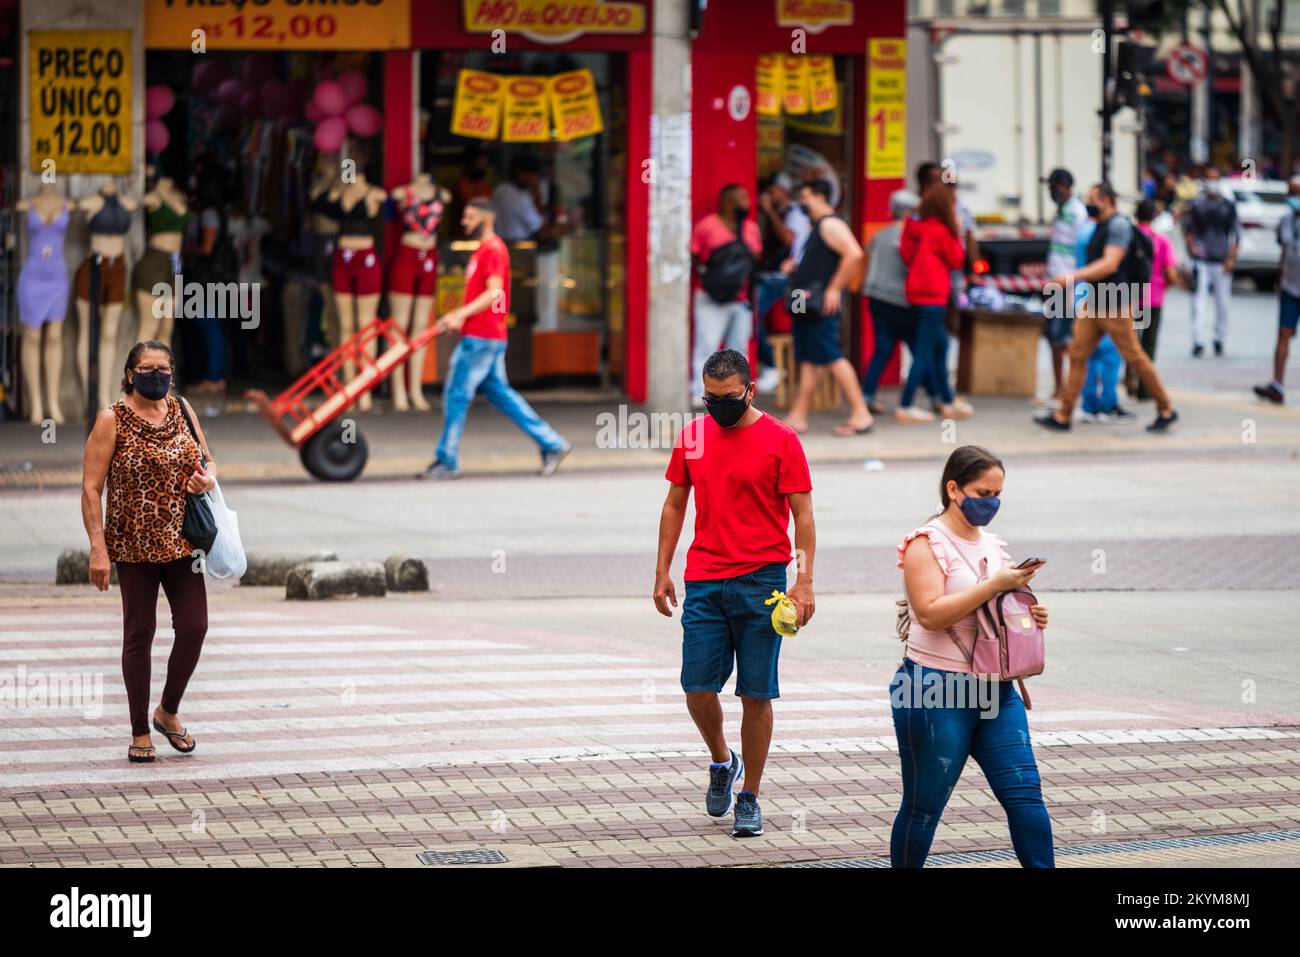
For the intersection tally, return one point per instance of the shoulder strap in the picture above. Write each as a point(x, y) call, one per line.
point(180, 403)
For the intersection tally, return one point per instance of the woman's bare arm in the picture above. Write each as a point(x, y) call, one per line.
point(94, 472)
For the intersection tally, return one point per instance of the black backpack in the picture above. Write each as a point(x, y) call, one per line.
point(727, 272)
point(1136, 266)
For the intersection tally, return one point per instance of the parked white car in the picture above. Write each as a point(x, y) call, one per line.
point(1261, 205)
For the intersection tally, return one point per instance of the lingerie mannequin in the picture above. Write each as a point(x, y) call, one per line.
point(109, 217)
point(358, 275)
point(43, 299)
point(166, 212)
point(414, 278)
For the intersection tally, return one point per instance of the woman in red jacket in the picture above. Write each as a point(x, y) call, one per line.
point(931, 249)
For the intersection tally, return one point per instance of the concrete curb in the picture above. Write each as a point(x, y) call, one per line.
point(404, 573)
point(73, 568)
point(272, 568)
point(312, 581)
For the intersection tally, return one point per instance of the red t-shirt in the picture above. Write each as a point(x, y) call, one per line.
point(741, 478)
point(492, 258)
point(710, 233)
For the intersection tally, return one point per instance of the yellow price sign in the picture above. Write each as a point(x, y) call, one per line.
point(767, 85)
point(887, 109)
point(822, 91)
point(81, 100)
point(528, 110)
point(794, 71)
point(477, 110)
point(577, 110)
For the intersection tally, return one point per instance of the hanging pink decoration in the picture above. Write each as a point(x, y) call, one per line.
point(313, 112)
point(230, 91)
point(158, 101)
point(364, 120)
point(353, 83)
point(156, 136)
point(329, 98)
point(330, 134)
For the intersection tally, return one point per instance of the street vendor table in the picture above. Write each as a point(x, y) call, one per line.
point(999, 352)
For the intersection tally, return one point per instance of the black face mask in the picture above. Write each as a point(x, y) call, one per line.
point(805, 210)
point(727, 411)
point(152, 385)
point(741, 213)
point(1093, 211)
point(1058, 195)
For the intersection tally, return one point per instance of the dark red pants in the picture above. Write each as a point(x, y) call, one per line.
point(188, 599)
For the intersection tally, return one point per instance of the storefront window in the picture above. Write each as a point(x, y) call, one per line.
point(560, 209)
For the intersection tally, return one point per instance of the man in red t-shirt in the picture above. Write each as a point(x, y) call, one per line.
point(749, 474)
point(479, 360)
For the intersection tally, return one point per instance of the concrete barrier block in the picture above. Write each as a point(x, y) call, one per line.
point(404, 573)
point(73, 568)
point(312, 581)
point(272, 568)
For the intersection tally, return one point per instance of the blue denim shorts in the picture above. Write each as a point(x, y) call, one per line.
point(1288, 310)
point(726, 624)
point(817, 340)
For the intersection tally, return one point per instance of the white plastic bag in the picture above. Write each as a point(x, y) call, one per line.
point(226, 559)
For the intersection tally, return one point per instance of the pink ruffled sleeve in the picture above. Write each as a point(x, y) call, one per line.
point(937, 546)
point(1001, 548)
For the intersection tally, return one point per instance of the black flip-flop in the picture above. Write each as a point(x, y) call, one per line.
point(173, 735)
point(838, 433)
point(146, 758)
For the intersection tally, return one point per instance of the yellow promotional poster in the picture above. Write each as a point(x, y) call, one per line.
point(794, 70)
point(528, 110)
point(822, 90)
point(81, 100)
point(553, 21)
point(477, 110)
point(573, 100)
point(767, 85)
point(814, 15)
point(826, 123)
point(887, 109)
point(277, 25)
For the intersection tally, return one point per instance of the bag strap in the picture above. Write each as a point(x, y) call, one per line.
point(970, 659)
point(188, 421)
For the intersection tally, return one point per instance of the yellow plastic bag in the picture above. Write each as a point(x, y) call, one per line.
point(785, 616)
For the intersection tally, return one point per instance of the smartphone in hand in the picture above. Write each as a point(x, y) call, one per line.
point(1030, 562)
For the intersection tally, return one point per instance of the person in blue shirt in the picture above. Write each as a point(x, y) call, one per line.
point(1100, 398)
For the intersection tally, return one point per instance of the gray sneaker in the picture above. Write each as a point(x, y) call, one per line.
point(551, 460)
point(749, 819)
point(722, 782)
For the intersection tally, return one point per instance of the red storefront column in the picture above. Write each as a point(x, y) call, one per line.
point(640, 74)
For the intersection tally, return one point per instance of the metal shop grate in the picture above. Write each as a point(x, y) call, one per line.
point(478, 856)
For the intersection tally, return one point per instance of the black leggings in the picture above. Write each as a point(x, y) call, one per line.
point(183, 586)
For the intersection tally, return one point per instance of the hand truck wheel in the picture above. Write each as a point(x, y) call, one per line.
point(335, 453)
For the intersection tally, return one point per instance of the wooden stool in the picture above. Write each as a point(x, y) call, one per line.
point(827, 395)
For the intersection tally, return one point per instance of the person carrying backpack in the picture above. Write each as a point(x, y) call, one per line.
point(946, 701)
point(724, 248)
point(1118, 270)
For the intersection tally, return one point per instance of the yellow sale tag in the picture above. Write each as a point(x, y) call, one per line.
point(794, 71)
point(528, 110)
point(577, 111)
point(477, 110)
point(821, 84)
point(768, 84)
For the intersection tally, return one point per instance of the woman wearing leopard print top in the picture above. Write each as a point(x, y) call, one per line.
point(144, 448)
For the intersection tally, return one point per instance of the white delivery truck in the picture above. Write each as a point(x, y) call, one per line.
point(1005, 103)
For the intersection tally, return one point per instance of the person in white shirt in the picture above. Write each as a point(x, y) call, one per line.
point(1071, 215)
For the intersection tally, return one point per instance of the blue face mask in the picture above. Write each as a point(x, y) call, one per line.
point(1295, 202)
point(980, 511)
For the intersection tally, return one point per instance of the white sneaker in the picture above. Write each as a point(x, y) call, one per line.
point(911, 415)
point(769, 379)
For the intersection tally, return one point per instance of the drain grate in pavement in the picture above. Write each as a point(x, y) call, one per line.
point(461, 857)
point(1072, 850)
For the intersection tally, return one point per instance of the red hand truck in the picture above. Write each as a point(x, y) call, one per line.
point(329, 449)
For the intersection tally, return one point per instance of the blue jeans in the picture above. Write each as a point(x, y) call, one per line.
point(892, 324)
point(933, 744)
point(1100, 388)
point(480, 364)
point(929, 357)
point(768, 288)
point(214, 348)
point(724, 625)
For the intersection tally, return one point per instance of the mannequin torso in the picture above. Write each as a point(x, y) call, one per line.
point(105, 207)
point(166, 211)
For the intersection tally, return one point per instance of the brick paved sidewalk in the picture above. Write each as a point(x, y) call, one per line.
point(818, 806)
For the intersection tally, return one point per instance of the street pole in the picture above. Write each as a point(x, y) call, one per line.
point(1107, 86)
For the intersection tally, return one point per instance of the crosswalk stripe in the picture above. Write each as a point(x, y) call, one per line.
point(54, 617)
point(165, 633)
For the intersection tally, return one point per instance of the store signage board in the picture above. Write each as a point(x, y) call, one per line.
point(887, 109)
point(81, 100)
point(814, 15)
point(477, 110)
point(554, 21)
point(577, 111)
point(278, 25)
point(528, 110)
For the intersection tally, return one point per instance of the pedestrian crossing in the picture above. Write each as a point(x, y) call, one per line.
point(320, 689)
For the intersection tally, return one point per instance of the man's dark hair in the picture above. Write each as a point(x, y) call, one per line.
point(722, 193)
point(822, 187)
point(1105, 189)
point(1146, 211)
point(725, 363)
point(924, 173)
point(484, 204)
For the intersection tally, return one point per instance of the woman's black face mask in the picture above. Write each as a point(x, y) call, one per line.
point(727, 410)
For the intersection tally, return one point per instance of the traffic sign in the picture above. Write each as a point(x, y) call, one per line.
point(1187, 64)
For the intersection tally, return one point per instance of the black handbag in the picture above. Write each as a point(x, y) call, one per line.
point(200, 527)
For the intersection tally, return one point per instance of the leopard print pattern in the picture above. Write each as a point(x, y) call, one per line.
point(146, 486)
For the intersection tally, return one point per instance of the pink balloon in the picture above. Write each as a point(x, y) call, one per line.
point(230, 91)
point(364, 120)
point(158, 101)
point(156, 136)
point(353, 83)
point(330, 134)
point(209, 75)
point(329, 98)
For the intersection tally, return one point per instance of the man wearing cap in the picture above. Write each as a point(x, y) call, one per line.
point(1071, 215)
point(785, 231)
